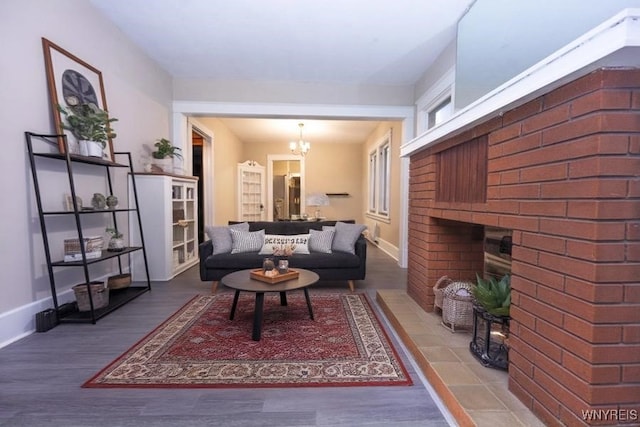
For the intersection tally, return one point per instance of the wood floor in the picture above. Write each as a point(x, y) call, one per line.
point(40, 376)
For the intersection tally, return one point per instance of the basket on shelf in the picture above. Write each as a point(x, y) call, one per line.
point(99, 295)
point(119, 281)
point(439, 288)
point(457, 306)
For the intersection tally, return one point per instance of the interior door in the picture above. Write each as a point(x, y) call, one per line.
point(251, 191)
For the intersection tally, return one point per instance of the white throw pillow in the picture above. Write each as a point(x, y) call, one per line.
point(321, 241)
point(220, 236)
point(284, 245)
point(246, 241)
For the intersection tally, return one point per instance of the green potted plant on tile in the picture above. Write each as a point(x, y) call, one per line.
point(492, 295)
point(491, 315)
point(164, 154)
point(90, 125)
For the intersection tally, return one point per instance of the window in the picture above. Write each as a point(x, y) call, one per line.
point(439, 113)
point(436, 104)
point(380, 177)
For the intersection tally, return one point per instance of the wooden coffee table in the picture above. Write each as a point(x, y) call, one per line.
point(242, 281)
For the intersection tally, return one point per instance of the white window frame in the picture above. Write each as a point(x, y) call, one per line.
point(433, 98)
point(379, 203)
point(440, 112)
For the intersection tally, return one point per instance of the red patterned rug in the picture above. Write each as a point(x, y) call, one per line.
point(200, 347)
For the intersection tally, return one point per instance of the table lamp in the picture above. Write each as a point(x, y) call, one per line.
point(317, 200)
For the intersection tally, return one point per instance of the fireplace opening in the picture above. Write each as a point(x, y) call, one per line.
point(497, 252)
point(489, 343)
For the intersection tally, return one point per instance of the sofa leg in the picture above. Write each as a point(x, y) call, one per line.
point(352, 285)
point(214, 286)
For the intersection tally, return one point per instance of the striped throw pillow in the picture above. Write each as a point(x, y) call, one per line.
point(320, 241)
point(221, 236)
point(246, 241)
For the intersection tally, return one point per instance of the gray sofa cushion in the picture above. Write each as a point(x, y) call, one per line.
point(346, 236)
point(221, 236)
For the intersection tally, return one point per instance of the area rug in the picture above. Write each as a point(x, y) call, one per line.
point(200, 347)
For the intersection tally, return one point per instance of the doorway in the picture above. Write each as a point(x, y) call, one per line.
point(285, 187)
point(197, 146)
point(286, 190)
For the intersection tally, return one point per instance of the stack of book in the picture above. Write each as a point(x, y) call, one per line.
point(92, 248)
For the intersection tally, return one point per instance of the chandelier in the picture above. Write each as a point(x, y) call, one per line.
point(300, 147)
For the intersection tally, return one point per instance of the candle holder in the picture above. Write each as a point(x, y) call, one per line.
point(490, 337)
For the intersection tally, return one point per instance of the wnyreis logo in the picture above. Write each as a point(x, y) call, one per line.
point(610, 415)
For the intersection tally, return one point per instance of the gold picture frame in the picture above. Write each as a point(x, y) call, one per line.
point(68, 75)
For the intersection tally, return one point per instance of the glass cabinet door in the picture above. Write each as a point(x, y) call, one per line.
point(184, 223)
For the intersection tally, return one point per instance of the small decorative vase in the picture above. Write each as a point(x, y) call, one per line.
point(268, 265)
point(116, 244)
point(112, 201)
point(283, 266)
point(98, 201)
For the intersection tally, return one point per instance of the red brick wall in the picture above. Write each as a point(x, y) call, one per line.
point(563, 174)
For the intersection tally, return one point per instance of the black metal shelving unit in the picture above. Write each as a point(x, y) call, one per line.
point(117, 297)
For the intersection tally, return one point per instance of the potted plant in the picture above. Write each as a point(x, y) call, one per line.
point(164, 154)
point(491, 307)
point(492, 295)
point(116, 244)
point(90, 125)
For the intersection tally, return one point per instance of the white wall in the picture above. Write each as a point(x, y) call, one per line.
point(445, 61)
point(138, 93)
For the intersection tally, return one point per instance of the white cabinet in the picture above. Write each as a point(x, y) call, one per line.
point(251, 191)
point(168, 206)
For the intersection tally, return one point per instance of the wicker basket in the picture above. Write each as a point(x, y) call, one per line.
point(439, 288)
point(119, 281)
point(99, 295)
point(457, 306)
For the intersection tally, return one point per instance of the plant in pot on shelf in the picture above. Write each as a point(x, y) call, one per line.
point(491, 308)
point(90, 125)
point(116, 243)
point(164, 154)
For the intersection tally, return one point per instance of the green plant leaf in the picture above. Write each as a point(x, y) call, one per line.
point(493, 295)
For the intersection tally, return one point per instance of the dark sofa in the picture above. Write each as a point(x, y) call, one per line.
point(329, 266)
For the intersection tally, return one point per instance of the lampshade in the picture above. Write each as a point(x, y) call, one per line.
point(317, 199)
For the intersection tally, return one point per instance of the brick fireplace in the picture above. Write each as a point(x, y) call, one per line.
point(562, 172)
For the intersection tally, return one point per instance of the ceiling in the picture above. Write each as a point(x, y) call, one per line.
point(377, 42)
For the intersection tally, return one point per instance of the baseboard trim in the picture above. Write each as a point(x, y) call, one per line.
point(386, 247)
point(21, 322)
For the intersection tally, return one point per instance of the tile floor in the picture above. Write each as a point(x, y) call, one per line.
point(475, 395)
